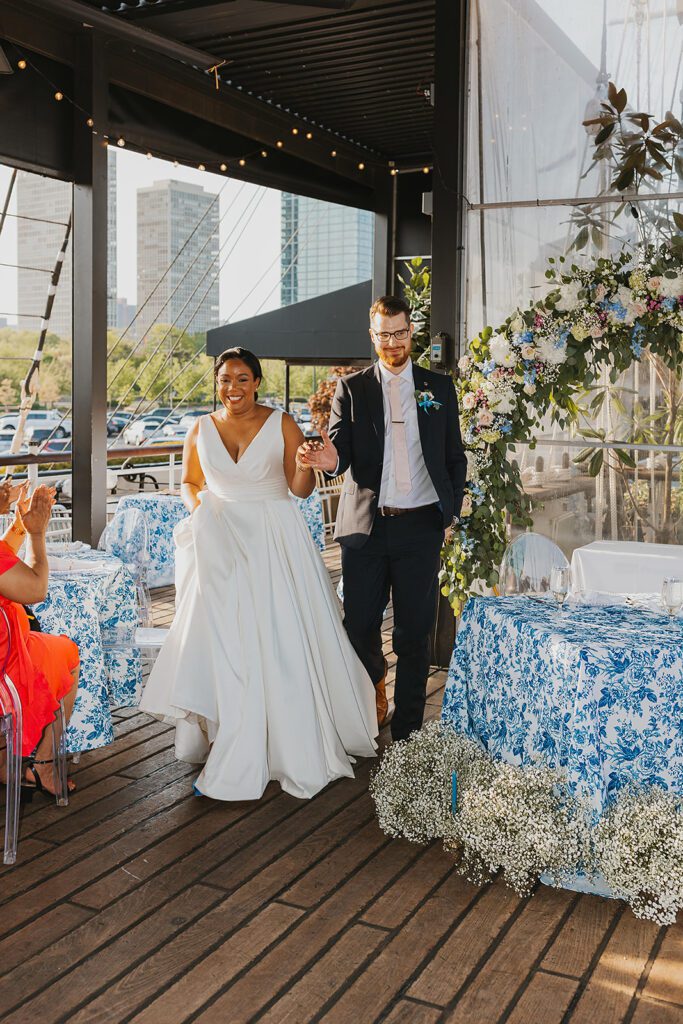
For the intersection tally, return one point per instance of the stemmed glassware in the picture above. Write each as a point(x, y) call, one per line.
point(560, 581)
point(672, 596)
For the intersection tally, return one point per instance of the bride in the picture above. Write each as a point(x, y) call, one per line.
point(257, 673)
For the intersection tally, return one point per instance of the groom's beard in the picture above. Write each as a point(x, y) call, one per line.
point(396, 358)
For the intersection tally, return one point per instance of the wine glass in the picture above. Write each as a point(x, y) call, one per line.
point(672, 596)
point(560, 579)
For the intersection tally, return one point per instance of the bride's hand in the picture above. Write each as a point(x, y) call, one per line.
point(318, 454)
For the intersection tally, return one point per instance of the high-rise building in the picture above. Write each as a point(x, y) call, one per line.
point(324, 247)
point(174, 287)
point(44, 206)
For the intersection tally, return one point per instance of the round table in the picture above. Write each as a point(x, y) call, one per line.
point(594, 691)
point(90, 592)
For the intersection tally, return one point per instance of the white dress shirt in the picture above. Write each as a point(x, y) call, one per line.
point(422, 491)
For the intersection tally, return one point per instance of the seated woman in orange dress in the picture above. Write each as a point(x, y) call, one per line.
point(43, 668)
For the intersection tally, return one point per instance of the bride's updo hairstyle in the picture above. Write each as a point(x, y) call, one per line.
point(245, 356)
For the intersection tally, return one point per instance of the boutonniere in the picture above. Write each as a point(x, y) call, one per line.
point(426, 400)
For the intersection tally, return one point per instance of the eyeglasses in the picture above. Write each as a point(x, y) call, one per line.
point(384, 336)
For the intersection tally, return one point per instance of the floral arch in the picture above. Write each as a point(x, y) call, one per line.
point(539, 361)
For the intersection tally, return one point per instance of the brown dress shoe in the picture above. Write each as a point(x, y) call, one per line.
point(381, 698)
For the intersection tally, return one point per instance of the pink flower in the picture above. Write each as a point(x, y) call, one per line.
point(654, 284)
point(485, 418)
point(469, 401)
point(600, 293)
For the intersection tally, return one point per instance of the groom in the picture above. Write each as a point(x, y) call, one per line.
point(395, 427)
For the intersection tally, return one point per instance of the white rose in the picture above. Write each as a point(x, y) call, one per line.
point(569, 296)
point(517, 324)
point(464, 364)
point(466, 509)
point(529, 389)
point(528, 351)
point(469, 401)
point(552, 351)
point(501, 351)
point(671, 287)
point(504, 402)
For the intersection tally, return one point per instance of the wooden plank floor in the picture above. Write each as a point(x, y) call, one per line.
point(141, 902)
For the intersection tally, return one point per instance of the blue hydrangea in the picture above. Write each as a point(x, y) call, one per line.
point(527, 337)
point(505, 426)
point(530, 375)
point(615, 307)
point(669, 304)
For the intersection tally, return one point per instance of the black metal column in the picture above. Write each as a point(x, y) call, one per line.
point(448, 220)
point(450, 136)
point(385, 233)
point(90, 293)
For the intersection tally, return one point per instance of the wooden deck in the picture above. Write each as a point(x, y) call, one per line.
point(141, 902)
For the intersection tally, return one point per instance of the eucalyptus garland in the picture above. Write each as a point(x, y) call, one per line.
point(539, 360)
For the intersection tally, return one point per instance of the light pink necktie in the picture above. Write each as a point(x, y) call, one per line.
point(398, 438)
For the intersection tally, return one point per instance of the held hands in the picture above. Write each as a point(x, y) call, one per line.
point(317, 454)
point(34, 512)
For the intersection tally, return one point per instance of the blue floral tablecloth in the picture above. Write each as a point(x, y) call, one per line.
point(163, 512)
point(82, 604)
point(595, 691)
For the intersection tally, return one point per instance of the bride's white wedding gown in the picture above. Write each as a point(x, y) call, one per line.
point(257, 673)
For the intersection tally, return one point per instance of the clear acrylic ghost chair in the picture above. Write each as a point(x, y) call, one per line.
point(127, 537)
point(11, 727)
point(527, 564)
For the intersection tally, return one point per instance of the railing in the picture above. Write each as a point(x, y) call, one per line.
point(33, 460)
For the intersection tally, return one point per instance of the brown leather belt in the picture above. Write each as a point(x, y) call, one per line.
point(387, 510)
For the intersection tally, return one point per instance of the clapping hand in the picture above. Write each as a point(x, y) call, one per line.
point(318, 454)
point(34, 512)
point(9, 493)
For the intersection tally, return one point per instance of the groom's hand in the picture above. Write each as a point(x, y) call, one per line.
point(318, 455)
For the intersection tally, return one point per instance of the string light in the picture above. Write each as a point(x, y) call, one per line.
point(23, 64)
point(425, 170)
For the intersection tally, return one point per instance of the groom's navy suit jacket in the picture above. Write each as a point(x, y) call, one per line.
point(357, 432)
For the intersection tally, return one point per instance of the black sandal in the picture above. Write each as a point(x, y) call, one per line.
point(29, 788)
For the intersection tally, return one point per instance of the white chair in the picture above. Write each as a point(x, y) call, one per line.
point(148, 640)
point(11, 727)
point(527, 564)
point(127, 537)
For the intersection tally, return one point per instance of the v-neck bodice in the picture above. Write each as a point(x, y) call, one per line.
point(258, 475)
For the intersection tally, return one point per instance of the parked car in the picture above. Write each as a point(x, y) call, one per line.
point(190, 417)
point(118, 421)
point(141, 430)
point(38, 418)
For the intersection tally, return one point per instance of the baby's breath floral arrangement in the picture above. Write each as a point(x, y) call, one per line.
point(538, 361)
point(524, 822)
point(639, 850)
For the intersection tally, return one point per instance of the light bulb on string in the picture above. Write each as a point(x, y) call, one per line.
point(224, 167)
point(175, 163)
point(309, 135)
point(279, 143)
point(21, 65)
point(59, 96)
point(394, 171)
point(121, 142)
point(243, 162)
point(295, 131)
point(361, 166)
point(264, 153)
point(201, 167)
point(425, 170)
point(333, 153)
point(90, 123)
point(149, 156)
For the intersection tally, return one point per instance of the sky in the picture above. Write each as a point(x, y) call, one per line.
point(250, 248)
